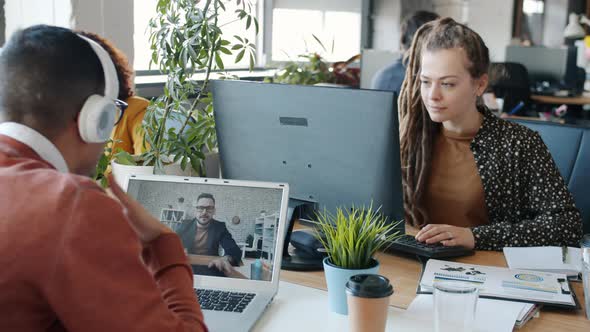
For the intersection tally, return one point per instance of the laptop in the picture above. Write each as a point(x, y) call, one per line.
point(246, 225)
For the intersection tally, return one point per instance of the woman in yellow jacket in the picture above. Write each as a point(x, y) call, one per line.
point(127, 134)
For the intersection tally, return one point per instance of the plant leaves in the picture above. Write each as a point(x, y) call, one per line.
point(240, 56)
point(124, 158)
point(256, 25)
point(352, 238)
point(196, 165)
point(319, 42)
point(218, 61)
point(183, 163)
point(187, 37)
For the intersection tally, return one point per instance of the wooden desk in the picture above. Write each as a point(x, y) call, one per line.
point(404, 272)
point(200, 259)
point(205, 259)
point(579, 100)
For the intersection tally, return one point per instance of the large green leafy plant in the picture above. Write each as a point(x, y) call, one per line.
point(351, 238)
point(312, 68)
point(186, 38)
point(308, 68)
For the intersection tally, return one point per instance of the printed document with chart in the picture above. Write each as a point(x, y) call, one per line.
point(501, 283)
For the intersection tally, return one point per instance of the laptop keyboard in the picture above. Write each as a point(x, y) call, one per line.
point(217, 300)
point(408, 243)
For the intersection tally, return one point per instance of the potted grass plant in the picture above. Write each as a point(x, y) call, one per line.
point(351, 239)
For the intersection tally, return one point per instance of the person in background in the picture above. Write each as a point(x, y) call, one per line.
point(75, 258)
point(126, 135)
point(471, 179)
point(391, 77)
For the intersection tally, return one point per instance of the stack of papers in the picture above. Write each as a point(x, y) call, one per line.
point(566, 260)
point(491, 315)
point(501, 283)
point(528, 311)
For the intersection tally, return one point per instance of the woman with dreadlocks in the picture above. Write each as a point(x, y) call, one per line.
point(471, 179)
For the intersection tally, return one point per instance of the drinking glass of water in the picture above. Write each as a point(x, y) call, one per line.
point(454, 306)
point(585, 246)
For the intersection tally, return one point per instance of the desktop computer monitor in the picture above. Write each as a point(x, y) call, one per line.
point(550, 69)
point(336, 147)
point(542, 63)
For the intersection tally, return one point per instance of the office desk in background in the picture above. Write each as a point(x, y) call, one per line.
point(204, 260)
point(554, 100)
point(404, 272)
point(576, 115)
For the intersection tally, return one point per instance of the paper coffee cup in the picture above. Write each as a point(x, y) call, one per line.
point(368, 301)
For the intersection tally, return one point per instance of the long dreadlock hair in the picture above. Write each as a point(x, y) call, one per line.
point(416, 129)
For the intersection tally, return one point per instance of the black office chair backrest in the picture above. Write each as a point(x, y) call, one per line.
point(510, 81)
point(574, 80)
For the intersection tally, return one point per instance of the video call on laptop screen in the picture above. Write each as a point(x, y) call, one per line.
point(227, 231)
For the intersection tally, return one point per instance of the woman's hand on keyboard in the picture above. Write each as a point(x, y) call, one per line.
point(447, 235)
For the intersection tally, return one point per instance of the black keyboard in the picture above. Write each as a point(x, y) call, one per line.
point(409, 244)
point(217, 300)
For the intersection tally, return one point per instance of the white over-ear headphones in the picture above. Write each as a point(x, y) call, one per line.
point(97, 116)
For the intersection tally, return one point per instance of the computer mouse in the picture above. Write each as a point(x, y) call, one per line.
point(306, 242)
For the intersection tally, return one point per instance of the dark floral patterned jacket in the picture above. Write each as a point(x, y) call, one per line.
point(527, 200)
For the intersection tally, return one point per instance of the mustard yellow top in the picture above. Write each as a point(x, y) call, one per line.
point(455, 194)
point(127, 130)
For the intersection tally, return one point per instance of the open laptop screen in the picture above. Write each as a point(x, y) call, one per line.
point(226, 230)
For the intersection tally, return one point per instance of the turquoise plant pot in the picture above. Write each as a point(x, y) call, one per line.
point(336, 278)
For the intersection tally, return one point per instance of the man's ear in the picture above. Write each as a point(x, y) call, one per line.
point(76, 131)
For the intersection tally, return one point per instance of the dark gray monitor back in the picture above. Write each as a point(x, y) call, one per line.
point(542, 63)
point(337, 147)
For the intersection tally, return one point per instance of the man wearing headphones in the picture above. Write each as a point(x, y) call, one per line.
point(73, 258)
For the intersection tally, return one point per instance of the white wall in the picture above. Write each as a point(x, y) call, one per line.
point(555, 16)
point(23, 13)
point(386, 22)
point(112, 19)
point(2, 23)
point(493, 21)
point(456, 9)
point(340, 5)
point(389, 14)
point(387, 18)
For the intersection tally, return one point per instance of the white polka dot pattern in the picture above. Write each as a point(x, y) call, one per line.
point(528, 201)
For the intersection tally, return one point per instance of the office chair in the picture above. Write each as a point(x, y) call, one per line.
point(510, 81)
point(574, 81)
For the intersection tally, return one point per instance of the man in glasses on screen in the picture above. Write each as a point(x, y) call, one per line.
point(203, 236)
